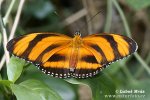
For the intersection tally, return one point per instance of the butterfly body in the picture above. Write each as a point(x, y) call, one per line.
point(61, 56)
point(76, 44)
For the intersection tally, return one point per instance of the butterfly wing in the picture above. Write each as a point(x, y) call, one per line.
point(99, 50)
point(40, 49)
point(87, 64)
point(52, 53)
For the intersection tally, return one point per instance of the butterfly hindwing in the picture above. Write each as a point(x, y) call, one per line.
point(58, 64)
point(87, 65)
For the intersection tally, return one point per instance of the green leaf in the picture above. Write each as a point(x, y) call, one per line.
point(14, 68)
point(138, 4)
point(66, 90)
point(142, 86)
point(0, 77)
point(100, 85)
point(113, 68)
point(34, 90)
point(40, 10)
point(5, 83)
point(23, 93)
point(0, 38)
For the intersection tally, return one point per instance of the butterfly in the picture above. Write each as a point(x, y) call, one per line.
point(61, 56)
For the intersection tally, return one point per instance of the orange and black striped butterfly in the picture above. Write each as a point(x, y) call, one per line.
point(61, 56)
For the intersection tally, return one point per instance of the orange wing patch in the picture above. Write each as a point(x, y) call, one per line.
point(87, 65)
point(62, 56)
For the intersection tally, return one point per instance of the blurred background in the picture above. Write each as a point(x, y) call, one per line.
point(127, 17)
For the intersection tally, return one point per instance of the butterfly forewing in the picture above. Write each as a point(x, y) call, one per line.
point(31, 46)
point(111, 47)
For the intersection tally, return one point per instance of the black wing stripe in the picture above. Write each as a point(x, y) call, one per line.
point(56, 57)
point(55, 72)
point(132, 44)
point(113, 45)
point(99, 50)
point(89, 59)
point(39, 58)
point(32, 43)
point(37, 39)
point(11, 44)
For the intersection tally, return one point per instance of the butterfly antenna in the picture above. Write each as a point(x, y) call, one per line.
point(101, 11)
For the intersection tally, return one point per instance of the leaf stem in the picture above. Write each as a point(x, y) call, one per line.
point(143, 63)
point(3, 23)
point(13, 28)
point(4, 33)
point(109, 16)
point(5, 19)
point(16, 19)
point(2, 62)
point(128, 32)
point(141, 69)
point(126, 71)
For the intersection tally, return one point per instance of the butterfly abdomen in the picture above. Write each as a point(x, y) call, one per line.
point(73, 59)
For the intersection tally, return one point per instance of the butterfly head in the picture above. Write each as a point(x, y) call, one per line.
point(77, 33)
point(77, 41)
